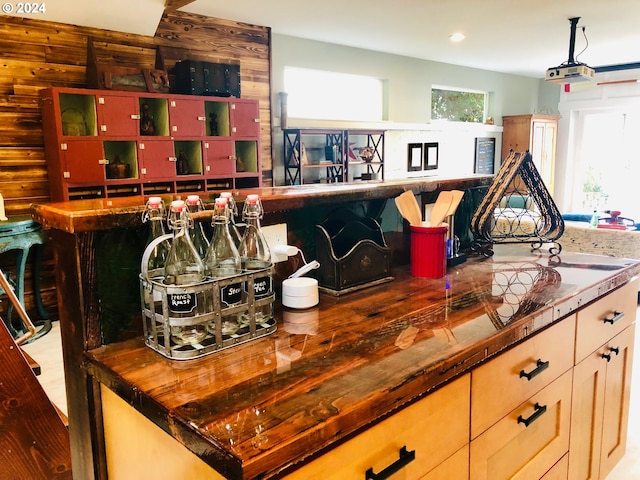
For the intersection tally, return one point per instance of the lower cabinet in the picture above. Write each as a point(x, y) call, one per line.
point(135, 447)
point(426, 440)
point(521, 407)
point(600, 409)
point(528, 441)
point(617, 392)
point(508, 380)
point(602, 383)
point(541, 410)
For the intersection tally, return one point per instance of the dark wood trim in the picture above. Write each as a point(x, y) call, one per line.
point(173, 5)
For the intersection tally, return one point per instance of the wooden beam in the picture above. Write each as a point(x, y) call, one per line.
point(173, 5)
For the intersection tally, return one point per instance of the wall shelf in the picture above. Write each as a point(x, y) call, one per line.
point(166, 143)
point(319, 155)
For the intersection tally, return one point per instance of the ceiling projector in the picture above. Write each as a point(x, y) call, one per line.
point(571, 71)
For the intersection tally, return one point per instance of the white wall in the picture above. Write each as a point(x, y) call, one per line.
point(409, 88)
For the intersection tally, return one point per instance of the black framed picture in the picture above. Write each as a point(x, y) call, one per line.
point(414, 157)
point(485, 155)
point(431, 156)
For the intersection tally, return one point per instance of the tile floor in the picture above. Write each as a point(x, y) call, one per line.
point(47, 350)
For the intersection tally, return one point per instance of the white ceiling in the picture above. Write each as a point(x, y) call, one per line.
point(523, 37)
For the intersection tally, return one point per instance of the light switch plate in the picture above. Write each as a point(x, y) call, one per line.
point(276, 235)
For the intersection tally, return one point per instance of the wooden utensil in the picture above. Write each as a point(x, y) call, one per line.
point(408, 206)
point(456, 197)
point(440, 209)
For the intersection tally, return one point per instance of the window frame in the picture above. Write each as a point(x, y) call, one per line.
point(485, 106)
point(326, 109)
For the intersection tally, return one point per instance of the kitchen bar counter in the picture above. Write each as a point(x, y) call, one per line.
point(102, 214)
point(331, 371)
point(97, 290)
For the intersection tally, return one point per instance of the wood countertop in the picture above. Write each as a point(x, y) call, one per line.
point(260, 408)
point(106, 213)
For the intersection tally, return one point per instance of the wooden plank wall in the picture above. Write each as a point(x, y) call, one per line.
point(37, 54)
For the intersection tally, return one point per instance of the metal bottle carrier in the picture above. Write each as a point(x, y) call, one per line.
point(158, 317)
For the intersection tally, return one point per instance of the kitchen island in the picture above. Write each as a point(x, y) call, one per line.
point(264, 408)
point(331, 375)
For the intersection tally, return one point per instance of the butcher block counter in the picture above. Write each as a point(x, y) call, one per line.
point(264, 408)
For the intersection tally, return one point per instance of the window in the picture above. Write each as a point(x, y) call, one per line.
point(608, 169)
point(332, 96)
point(458, 105)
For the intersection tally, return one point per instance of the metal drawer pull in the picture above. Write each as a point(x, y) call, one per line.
point(616, 316)
point(540, 409)
point(540, 367)
point(405, 459)
point(607, 356)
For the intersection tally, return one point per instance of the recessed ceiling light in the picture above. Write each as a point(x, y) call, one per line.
point(456, 37)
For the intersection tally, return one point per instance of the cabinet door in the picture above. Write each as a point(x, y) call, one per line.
point(434, 428)
point(516, 134)
point(219, 158)
point(158, 159)
point(84, 162)
point(527, 442)
point(543, 147)
point(586, 417)
point(245, 118)
point(118, 115)
point(617, 393)
point(187, 117)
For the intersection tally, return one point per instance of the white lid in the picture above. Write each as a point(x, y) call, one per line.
point(300, 292)
point(299, 286)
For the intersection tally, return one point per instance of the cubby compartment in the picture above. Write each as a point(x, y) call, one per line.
point(217, 123)
point(189, 186)
point(159, 188)
point(122, 190)
point(122, 159)
point(219, 183)
point(247, 182)
point(154, 116)
point(85, 193)
point(188, 157)
point(78, 114)
point(246, 156)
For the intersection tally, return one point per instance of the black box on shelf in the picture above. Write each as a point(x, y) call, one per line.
point(204, 78)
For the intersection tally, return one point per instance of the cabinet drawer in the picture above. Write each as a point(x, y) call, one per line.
point(503, 383)
point(513, 449)
point(456, 467)
point(559, 471)
point(435, 428)
point(604, 319)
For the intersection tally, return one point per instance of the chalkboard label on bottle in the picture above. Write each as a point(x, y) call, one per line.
point(182, 302)
point(231, 294)
point(262, 287)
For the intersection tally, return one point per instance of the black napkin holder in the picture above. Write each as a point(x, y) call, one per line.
point(352, 253)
